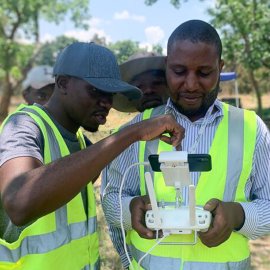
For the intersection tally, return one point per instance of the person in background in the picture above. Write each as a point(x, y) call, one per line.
point(38, 85)
point(146, 71)
point(237, 189)
point(47, 211)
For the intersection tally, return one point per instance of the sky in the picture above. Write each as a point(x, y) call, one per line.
point(130, 20)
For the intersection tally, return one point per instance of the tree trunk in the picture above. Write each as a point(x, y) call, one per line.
point(257, 91)
point(6, 97)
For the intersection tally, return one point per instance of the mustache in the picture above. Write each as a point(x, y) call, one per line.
point(197, 94)
point(102, 112)
point(190, 94)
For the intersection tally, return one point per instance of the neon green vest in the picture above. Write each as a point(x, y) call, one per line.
point(232, 152)
point(64, 239)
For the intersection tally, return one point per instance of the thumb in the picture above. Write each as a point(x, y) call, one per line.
point(211, 205)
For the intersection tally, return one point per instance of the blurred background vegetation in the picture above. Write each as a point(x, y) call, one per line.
point(243, 25)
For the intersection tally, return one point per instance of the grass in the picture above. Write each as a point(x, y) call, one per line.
point(109, 257)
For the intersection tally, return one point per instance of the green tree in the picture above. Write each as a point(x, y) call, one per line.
point(124, 49)
point(244, 27)
point(49, 50)
point(21, 19)
point(157, 48)
point(99, 40)
point(175, 3)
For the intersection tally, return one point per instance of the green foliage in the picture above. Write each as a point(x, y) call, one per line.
point(158, 49)
point(175, 3)
point(14, 57)
point(49, 50)
point(124, 49)
point(56, 11)
point(20, 20)
point(244, 25)
point(22, 17)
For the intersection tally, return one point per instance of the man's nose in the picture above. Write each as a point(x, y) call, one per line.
point(191, 82)
point(147, 89)
point(106, 101)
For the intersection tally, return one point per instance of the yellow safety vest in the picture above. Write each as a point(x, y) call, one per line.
point(232, 153)
point(64, 239)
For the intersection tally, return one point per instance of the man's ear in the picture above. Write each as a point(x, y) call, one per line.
point(165, 64)
point(221, 64)
point(62, 83)
point(25, 94)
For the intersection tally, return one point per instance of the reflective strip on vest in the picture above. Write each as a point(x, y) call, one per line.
point(46, 242)
point(53, 145)
point(64, 231)
point(229, 140)
point(146, 115)
point(235, 152)
point(151, 262)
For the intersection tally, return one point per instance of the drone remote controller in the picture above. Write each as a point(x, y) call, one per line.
point(182, 220)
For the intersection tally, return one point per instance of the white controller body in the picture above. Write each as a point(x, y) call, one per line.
point(177, 220)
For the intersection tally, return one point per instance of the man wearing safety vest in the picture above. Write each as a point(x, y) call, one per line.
point(47, 211)
point(237, 189)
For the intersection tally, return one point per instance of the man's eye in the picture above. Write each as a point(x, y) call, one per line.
point(179, 71)
point(93, 92)
point(204, 73)
point(96, 93)
point(41, 97)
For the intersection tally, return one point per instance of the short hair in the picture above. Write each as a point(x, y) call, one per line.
point(196, 31)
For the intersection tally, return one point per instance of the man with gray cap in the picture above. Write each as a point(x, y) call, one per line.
point(38, 85)
point(46, 173)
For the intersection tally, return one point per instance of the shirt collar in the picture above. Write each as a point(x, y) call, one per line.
point(170, 108)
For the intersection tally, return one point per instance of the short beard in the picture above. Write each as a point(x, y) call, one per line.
point(91, 129)
point(208, 100)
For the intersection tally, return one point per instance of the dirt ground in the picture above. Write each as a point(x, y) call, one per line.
point(260, 253)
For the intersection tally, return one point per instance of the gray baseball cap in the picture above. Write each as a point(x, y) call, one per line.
point(98, 66)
